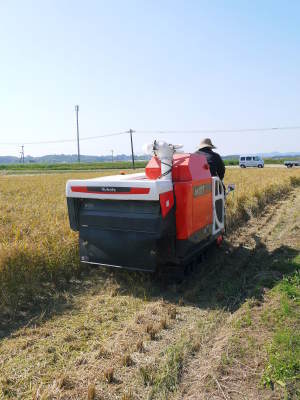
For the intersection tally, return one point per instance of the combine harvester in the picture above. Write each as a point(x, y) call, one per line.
point(160, 220)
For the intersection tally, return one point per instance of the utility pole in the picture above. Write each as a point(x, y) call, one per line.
point(77, 125)
point(132, 154)
point(112, 156)
point(22, 155)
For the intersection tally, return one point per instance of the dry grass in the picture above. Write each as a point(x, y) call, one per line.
point(38, 247)
point(91, 392)
point(152, 331)
point(127, 360)
point(38, 254)
point(140, 346)
point(257, 346)
point(36, 243)
point(109, 375)
point(172, 312)
point(163, 324)
point(127, 396)
point(255, 189)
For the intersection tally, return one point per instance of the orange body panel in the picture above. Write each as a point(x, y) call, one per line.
point(189, 167)
point(166, 202)
point(186, 167)
point(192, 187)
point(184, 209)
point(153, 168)
point(202, 206)
point(192, 212)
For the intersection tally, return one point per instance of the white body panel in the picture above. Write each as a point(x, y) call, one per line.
point(218, 194)
point(136, 181)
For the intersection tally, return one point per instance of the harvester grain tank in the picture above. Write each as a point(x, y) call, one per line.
point(159, 219)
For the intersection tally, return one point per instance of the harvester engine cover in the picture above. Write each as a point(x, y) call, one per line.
point(160, 218)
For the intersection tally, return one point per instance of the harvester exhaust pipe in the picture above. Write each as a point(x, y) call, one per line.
point(164, 152)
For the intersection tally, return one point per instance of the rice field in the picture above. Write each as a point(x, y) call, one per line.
point(71, 333)
point(38, 248)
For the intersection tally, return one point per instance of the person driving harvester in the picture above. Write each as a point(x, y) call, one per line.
point(214, 160)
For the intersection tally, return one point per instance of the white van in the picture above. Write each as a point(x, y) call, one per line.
point(251, 161)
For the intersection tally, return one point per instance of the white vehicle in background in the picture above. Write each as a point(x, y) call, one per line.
point(251, 161)
point(290, 164)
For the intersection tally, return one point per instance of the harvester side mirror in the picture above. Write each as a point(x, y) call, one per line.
point(230, 187)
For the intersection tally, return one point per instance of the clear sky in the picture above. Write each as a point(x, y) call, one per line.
point(149, 65)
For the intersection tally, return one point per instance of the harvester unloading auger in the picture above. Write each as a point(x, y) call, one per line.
point(160, 219)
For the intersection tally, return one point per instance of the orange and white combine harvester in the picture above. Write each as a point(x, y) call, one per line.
point(160, 219)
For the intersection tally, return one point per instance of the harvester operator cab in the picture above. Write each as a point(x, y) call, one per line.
point(163, 217)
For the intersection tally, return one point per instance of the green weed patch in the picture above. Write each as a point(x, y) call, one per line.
point(283, 366)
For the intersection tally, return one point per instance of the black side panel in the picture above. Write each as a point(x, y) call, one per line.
point(122, 249)
point(73, 210)
point(130, 234)
point(185, 248)
point(219, 209)
point(136, 216)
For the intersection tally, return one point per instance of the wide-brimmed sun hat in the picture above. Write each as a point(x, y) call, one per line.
point(206, 143)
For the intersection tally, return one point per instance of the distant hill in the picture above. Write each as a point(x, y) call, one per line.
point(72, 158)
point(280, 155)
point(231, 157)
point(68, 158)
point(275, 155)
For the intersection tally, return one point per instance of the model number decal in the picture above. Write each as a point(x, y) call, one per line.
point(200, 190)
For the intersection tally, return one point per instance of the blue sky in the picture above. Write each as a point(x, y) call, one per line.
point(149, 65)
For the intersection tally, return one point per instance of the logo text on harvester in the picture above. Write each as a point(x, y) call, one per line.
point(108, 189)
point(200, 190)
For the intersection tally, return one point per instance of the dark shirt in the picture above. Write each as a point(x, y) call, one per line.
point(215, 162)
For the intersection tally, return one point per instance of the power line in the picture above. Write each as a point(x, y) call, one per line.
point(221, 130)
point(102, 136)
point(159, 132)
point(67, 140)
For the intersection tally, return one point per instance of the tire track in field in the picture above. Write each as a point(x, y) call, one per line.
point(274, 229)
